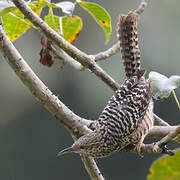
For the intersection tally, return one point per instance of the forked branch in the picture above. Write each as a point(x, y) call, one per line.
point(75, 53)
point(76, 125)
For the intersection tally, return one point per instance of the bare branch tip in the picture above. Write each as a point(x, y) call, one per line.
point(141, 8)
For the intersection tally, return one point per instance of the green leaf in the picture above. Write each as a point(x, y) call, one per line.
point(6, 7)
point(14, 22)
point(71, 27)
point(100, 15)
point(7, 10)
point(53, 21)
point(166, 168)
point(37, 6)
point(67, 26)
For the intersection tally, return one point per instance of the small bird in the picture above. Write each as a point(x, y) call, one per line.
point(128, 116)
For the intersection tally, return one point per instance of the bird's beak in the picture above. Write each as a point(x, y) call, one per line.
point(65, 151)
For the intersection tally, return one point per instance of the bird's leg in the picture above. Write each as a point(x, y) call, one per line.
point(139, 145)
point(149, 148)
point(156, 148)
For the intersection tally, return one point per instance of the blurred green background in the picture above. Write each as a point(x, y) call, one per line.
point(30, 137)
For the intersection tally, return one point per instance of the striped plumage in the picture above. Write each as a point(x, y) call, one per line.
point(124, 116)
point(128, 115)
point(127, 35)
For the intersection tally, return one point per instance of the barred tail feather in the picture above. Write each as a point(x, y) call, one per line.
point(127, 35)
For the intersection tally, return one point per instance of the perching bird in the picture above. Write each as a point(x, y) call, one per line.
point(128, 115)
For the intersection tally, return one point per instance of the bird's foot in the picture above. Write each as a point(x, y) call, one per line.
point(138, 147)
point(165, 150)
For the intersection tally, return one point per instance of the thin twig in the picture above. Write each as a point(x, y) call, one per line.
point(169, 137)
point(159, 147)
point(71, 121)
point(91, 166)
point(141, 7)
point(66, 58)
point(116, 47)
point(160, 131)
point(167, 133)
point(97, 57)
point(75, 53)
point(159, 122)
point(108, 53)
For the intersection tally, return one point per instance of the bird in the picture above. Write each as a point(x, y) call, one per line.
point(128, 115)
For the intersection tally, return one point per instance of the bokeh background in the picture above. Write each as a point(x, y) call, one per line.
point(30, 137)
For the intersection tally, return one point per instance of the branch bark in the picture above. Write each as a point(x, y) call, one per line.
point(66, 58)
point(167, 133)
point(159, 122)
point(74, 124)
point(108, 53)
point(141, 7)
point(75, 53)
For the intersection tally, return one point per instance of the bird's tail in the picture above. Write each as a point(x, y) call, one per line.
point(127, 35)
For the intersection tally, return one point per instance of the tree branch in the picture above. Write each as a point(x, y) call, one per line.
point(37, 87)
point(108, 53)
point(75, 53)
point(158, 147)
point(66, 58)
point(97, 57)
point(75, 124)
point(91, 166)
point(116, 47)
point(167, 133)
point(84, 59)
point(159, 122)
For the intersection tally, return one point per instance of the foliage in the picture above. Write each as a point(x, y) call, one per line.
point(100, 15)
point(14, 22)
point(69, 25)
point(166, 168)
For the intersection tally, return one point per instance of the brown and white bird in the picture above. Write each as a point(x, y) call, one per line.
point(128, 116)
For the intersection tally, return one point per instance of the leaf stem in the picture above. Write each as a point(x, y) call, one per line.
point(176, 99)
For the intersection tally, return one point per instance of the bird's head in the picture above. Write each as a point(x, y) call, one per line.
point(86, 145)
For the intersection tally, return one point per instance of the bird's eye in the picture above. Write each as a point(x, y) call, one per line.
point(81, 147)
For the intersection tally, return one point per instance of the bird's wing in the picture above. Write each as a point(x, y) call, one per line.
point(127, 106)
